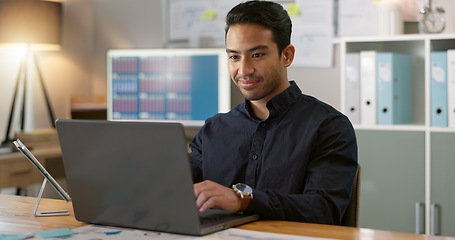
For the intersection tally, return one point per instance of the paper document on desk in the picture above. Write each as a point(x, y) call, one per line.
point(104, 232)
point(240, 234)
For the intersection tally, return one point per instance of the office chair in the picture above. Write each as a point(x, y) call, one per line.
point(351, 216)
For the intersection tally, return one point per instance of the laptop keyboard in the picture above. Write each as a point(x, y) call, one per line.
point(216, 215)
point(212, 218)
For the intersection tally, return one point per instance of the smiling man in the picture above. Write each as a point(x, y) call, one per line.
point(280, 154)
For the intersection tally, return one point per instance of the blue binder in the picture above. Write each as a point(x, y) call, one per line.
point(438, 86)
point(393, 88)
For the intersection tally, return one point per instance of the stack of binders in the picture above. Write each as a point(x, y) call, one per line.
point(379, 88)
point(442, 98)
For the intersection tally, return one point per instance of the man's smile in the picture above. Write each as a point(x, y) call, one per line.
point(248, 83)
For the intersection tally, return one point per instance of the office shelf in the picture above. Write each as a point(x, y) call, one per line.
point(406, 168)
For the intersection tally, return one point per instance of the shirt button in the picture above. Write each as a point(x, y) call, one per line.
point(264, 124)
point(255, 157)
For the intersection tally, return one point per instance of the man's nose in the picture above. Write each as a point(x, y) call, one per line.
point(246, 67)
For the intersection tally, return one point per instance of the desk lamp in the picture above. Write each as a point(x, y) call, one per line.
point(35, 25)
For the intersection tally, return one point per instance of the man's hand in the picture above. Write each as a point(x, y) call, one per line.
point(213, 195)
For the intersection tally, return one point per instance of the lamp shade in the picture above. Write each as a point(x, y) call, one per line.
point(30, 22)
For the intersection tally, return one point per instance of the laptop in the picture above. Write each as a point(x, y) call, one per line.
point(135, 175)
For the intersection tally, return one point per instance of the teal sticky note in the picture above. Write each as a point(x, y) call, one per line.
point(55, 233)
point(113, 233)
point(12, 236)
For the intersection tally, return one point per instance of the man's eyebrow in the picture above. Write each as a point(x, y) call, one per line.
point(259, 47)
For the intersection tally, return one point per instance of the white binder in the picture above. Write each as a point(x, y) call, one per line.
point(352, 90)
point(451, 86)
point(368, 87)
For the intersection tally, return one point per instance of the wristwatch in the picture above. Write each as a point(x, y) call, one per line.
point(245, 193)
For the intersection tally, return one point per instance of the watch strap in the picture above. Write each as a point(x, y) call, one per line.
point(245, 202)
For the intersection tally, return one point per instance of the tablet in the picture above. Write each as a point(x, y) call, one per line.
point(23, 149)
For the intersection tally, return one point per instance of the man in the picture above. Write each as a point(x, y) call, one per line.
point(294, 156)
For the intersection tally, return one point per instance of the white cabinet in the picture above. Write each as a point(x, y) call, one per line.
point(407, 170)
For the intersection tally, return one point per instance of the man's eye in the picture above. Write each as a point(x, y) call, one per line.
point(233, 57)
point(256, 55)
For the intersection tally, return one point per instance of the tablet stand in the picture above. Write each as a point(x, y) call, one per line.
point(47, 213)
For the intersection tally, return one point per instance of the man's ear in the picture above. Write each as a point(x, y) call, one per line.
point(287, 55)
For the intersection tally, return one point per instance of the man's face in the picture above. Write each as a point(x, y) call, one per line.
point(254, 63)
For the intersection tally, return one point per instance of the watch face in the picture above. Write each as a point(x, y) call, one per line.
point(432, 22)
point(244, 188)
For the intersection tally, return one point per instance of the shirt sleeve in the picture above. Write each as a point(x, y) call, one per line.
point(328, 180)
point(196, 157)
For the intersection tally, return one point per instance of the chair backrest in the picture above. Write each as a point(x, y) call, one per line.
point(351, 215)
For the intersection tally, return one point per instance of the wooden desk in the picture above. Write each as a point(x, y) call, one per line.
point(17, 171)
point(16, 217)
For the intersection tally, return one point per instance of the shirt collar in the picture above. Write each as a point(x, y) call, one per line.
point(281, 101)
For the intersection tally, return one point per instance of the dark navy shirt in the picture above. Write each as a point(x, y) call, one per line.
point(300, 162)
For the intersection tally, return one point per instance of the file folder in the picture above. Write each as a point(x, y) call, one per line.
point(368, 87)
point(438, 89)
point(352, 88)
point(394, 88)
point(451, 86)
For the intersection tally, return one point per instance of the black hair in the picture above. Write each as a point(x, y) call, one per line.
point(266, 13)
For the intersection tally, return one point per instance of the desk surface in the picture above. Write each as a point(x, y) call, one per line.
point(16, 216)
